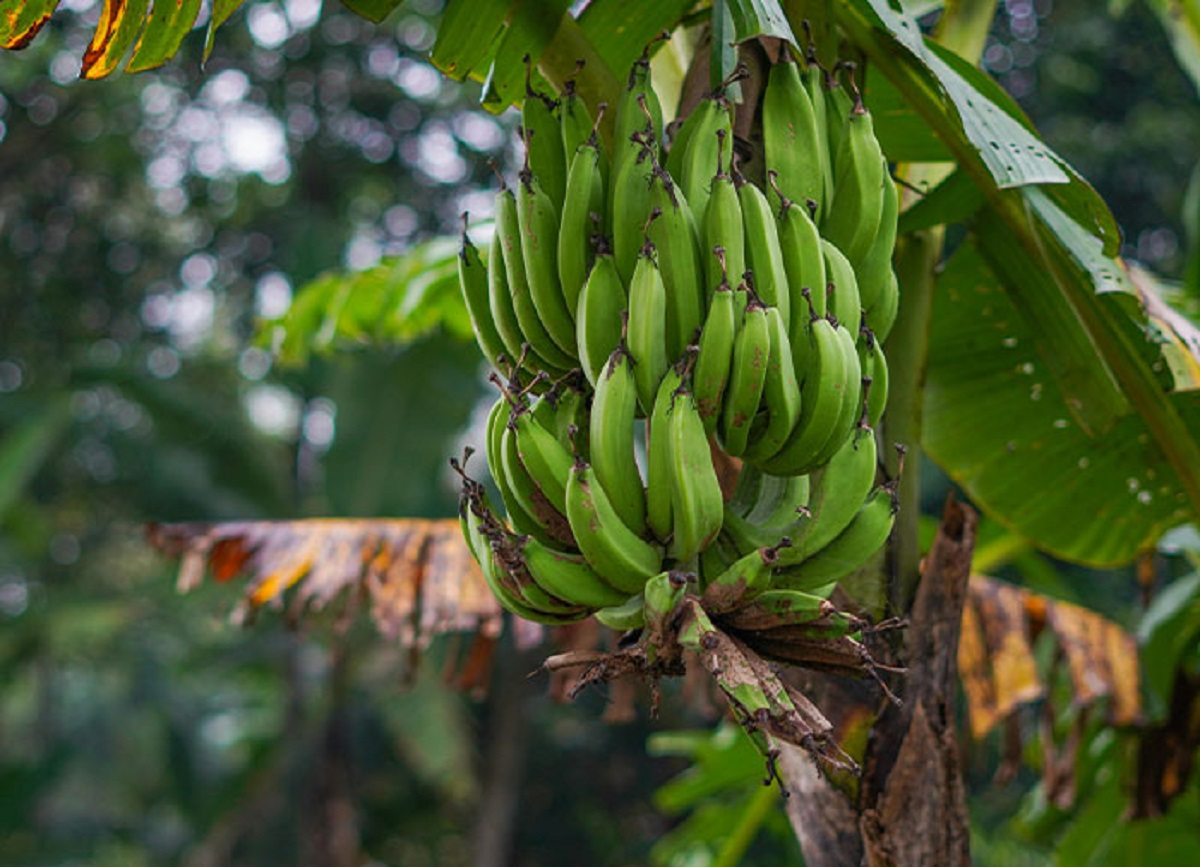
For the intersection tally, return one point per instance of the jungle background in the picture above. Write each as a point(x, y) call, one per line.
point(148, 223)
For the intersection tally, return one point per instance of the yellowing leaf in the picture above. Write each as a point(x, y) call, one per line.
point(418, 576)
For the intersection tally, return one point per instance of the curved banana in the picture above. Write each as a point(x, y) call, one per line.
point(584, 197)
point(614, 408)
point(849, 550)
point(693, 156)
point(473, 281)
point(715, 358)
point(674, 235)
point(630, 614)
point(838, 490)
point(764, 251)
point(546, 352)
point(538, 220)
point(844, 301)
point(568, 576)
point(814, 84)
point(600, 313)
point(528, 500)
point(874, 364)
point(629, 206)
point(781, 394)
point(546, 460)
point(646, 336)
point(804, 264)
point(747, 577)
point(751, 355)
point(659, 464)
point(723, 227)
point(853, 217)
point(542, 132)
point(791, 143)
point(881, 316)
point(872, 272)
point(575, 121)
point(697, 504)
point(618, 554)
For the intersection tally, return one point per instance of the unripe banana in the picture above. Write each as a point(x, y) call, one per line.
point(584, 197)
point(674, 234)
point(802, 614)
point(500, 302)
point(521, 520)
point(881, 316)
point(804, 263)
point(696, 502)
point(844, 302)
point(838, 106)
point(837, 492)
point(545, 351)
point(617, 553)
point(528, 500)
point(853, 218)
point(814, 85)
point(781, 394)
point(764, 252)
point(791, 142)
point(693, 156)
point(473, 281)
point(543, 140)
point(538, 219)
point(747, 577)
point(630, 203)
point(647, 332)
point(723, 226)
point(575, 120)
point(598, 317)
point(546, 460)
point(849, 550)
point(851, 412)
point(630, 614)
point(873, 271)
point(751, 354)
point(638, 106)
point(568, 576)
point(612, 450)
point(823, 387)
point(875, 368)
point(715, 358)
point(659, 464)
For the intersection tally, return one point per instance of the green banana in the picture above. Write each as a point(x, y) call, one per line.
point(853, 217)
point(568, 576)
point(630, 614)
point(803, 261)
point(873, 270)
point(881, 316)
point(546, 460)
point(781, 394)
point(473, 281)
point(500, 302)
point(542, 132)
point(674, 235)
point(549, 524)
point(844, 302)
point(823, 387)
point(779, 502)
point(646, 335)
point(747, 577)
point(791, 143)
point(630, 203)
point(837, 492)
point(852, 407)
point(584, 197)
point(545, 351)
point(764, 251)
point(659, 463)
point(696, 500)
point(814, 84)
point(838, 106)
point(638, 106)
point(849, 550)
point(599, 316)
point(723, 226)
point(661, 599)
point(538, 220)
point(612, 449)
point(802, 612)
point(748, 375)
point(693, 156)
point(575, 120)
point(875, 368)
point(617, 553)
point(715, 358)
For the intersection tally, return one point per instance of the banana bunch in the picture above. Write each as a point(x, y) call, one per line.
point(649, 308)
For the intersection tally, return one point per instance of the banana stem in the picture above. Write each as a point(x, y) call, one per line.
point(917, 256)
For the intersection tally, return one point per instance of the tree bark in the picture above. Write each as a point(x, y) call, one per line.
point(909, 806)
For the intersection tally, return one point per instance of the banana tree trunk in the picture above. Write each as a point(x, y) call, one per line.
point(909, 807)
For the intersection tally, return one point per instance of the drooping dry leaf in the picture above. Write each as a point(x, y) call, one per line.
point(997, 666)
point(418, 575)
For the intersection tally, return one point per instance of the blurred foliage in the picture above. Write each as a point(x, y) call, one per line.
point(150, 221)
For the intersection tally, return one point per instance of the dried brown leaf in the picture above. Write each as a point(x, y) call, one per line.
point(418, 575)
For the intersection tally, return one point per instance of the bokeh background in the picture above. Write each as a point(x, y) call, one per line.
point(147, 223)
